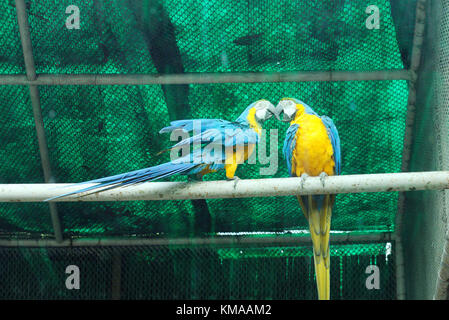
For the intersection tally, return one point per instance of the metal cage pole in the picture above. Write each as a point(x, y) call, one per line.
point(25, 38)
point(418, 39)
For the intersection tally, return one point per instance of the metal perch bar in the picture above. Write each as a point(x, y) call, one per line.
point(386, 182)
point(204, 78)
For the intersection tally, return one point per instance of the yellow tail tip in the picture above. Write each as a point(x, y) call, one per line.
point(322, 280)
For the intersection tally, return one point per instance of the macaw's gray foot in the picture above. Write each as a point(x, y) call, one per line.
point(304, 176)
point(235, 179)
point(323, 176)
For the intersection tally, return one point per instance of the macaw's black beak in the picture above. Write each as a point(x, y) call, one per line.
point(274, 111)
point(288, 110)
point(264, 110)
point(286, 117)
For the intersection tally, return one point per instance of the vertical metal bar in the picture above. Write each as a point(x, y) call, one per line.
point(418, 39)
point(40, 131)
point(25, 38)
point(400, 275)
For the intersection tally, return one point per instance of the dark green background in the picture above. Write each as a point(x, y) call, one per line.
point(95, 131)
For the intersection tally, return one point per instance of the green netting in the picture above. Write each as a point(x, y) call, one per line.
point(11, 56)
point(251, 35)
point(193, 273)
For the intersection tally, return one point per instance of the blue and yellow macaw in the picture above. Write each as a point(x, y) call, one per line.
point(238, 138)
point(312, 148)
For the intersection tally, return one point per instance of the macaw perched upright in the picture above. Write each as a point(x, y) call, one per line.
point(238, 138)
point(312, 148)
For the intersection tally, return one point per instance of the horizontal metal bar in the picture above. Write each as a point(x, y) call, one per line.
point(222, 241)
point(203, 78)
point(384, 182)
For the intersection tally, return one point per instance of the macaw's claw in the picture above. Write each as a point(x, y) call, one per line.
point(235, 179)
point(304, 176)
point(323, 176)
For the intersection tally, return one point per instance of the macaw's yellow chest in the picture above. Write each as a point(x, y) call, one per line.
point(313, 152)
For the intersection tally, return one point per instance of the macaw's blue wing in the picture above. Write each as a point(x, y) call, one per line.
point(289, 144)
point(225, 133)
point(332, 132)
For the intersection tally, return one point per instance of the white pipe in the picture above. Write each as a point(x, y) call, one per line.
point(222, 241)
point(204, 78)
point(384, 182)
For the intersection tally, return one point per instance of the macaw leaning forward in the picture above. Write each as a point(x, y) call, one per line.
point(238, 138)
point(312, 148)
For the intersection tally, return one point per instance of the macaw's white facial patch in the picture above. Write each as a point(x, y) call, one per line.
point(288, 108)
point(262, 115)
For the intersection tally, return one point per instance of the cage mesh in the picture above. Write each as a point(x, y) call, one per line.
point(251, 35)
point(192, 273)
point(426, 213)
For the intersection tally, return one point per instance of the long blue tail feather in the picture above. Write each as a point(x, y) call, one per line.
point(134, 177)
